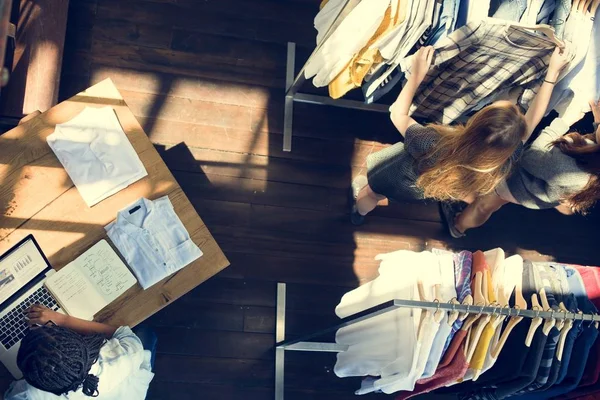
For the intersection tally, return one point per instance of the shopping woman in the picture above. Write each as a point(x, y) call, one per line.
point(449, 162)
point(561, 172)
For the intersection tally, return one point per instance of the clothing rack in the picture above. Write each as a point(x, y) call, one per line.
point(293, 83)
point(304, 343)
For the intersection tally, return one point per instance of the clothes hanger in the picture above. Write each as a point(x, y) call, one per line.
point(483, 320)
point(550, 322)
point(536, 321)
point(547, 30)
point(454, 315)
point(438, 316)
point(568, 325)
point(520, 304)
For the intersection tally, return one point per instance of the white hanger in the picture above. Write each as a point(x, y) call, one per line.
point(520, 304)
point(547, 30)
point(535, 322)
point(481, 298)
point(550, 322)
point(562, 337)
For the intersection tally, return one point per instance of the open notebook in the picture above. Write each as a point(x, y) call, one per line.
point(90, 282)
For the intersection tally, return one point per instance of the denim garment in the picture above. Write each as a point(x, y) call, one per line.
point(559, 19)
point(546, 11)
point(123, 369)
point(152, 239)
point(510, 10)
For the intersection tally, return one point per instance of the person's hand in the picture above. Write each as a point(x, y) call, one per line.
point(40, 315)
point(559, 60)
point(421, 63)
point(595, 106)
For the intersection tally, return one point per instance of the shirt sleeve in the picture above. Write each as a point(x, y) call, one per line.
point(556, 129)
point(17, 391)
point(419, 140)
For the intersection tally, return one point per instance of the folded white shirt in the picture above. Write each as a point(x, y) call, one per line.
point(152, 239)
point(96, 154)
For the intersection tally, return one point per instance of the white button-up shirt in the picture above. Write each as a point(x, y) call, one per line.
point(152, 239)
point(123, 371)
point(96, 154)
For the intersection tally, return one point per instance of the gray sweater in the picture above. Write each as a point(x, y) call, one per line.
point(546, 175)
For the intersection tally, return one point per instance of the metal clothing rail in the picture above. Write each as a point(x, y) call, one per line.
point(293, 83)
point(303, 343)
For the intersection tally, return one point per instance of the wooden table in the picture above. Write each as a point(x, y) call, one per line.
point(38, 197)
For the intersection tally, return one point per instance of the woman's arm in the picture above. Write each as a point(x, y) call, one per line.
point(40, 315)
point(559, 60)
point(399, 110)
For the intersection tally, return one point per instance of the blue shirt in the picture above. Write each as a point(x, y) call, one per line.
point(123, 370)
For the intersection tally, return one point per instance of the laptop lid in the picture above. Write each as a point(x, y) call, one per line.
point(20, 267)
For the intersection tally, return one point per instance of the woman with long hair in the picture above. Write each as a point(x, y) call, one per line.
point(66, 357)
point(441, 162)
point(561, 172)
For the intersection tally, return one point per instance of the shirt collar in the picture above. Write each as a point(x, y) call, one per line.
point(129, 227)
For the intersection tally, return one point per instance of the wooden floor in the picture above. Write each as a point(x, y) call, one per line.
point(206, 80)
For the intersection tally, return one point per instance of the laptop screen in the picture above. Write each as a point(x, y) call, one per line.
point(19, 266)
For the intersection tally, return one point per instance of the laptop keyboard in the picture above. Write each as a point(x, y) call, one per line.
point(13, 326)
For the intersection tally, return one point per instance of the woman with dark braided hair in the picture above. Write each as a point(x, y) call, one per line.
point(66, 357)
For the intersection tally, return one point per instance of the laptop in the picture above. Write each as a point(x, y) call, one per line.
point(23, 270)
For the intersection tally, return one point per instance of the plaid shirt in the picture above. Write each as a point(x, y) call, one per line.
point(474, 62)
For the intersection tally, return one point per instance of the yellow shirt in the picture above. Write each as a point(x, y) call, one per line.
point(478, 359)
point(354, 73)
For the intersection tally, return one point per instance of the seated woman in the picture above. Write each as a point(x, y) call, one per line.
point(561, 172)
point(65, 357)
point(449, 162)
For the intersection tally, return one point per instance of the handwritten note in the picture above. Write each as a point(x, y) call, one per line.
point(91, 282)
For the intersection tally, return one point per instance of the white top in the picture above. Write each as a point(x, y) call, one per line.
point(152, 239)
point(349, 37)
point(379, 341)
point(387, 345)
point(123, 370)
point(96, 154)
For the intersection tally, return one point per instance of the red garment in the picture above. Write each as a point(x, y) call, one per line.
point(454, 370)
point(451, 351)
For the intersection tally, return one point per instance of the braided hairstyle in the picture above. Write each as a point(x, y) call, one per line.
point(58, 360)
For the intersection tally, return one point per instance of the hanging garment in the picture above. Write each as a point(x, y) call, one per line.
point(326, 18)
point(96, 154)
point(583, 343)
point(589, 383)
point(509, 10)
point(349, 38)
point(559, 277)
point(454, 370)
point(546, 12)
point(475, 61)
point(559, 19)
point(545, 175)
point(549, 352)
point(396, 51)
point(390, 381)
point(387, 338)
point(447, 292)
point(530, 16)
point(353, 74)
point(580, 82)
point(463, 262)
point(377, 85)
point(152, 239)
